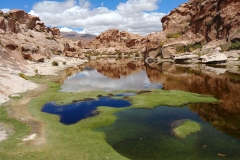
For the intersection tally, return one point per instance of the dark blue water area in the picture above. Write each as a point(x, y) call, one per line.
point(74, 112)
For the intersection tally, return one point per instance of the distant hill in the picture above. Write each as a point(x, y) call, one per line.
point(77, 36)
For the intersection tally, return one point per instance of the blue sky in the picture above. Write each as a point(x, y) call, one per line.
point(95, 16)
point(165, 6)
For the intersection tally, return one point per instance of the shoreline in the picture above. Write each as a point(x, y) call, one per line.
point(13, 85)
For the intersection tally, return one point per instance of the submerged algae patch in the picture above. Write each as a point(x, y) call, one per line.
point(183, 128)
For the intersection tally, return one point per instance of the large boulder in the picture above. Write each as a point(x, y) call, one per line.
point(214, 57)
point(23, 18)
point(37, 58)
point(233, 55)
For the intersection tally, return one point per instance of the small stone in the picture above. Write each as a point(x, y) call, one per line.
point(15, 96)
point(221, 155)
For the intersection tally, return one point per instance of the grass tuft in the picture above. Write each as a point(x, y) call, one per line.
point(185, 128)
point(234, 46)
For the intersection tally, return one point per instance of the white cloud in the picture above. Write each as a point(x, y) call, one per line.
point(5, 10)
point(65, 29)
point(136, 16)
point(84, 3)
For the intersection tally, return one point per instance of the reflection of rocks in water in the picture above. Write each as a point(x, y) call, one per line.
point(222, 117)
point(225, 87)
point(69, 72)
point(117, 69)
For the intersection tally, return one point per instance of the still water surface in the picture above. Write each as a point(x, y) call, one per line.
point(146, 133)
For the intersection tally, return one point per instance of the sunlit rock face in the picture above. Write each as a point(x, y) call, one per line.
point(121, 41)
point(209, 19)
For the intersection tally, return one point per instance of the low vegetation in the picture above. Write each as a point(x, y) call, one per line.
point(54, 63)
point(174, 35)
point(169, 98)
point(8, 16)
point(22, 75)
point(188, 48)
point(185, 128)
point(79, 141)
point(234, 46)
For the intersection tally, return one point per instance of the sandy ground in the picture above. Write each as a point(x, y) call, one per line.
point(12, 84)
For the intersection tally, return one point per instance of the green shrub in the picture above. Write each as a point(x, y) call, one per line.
point(22, 75)
point(161, 44)
point(54, 63)
point(64, 63)
point(188, 48)
point(174, 35)
point(51, 38)
point(234, 46)
point(6, 16)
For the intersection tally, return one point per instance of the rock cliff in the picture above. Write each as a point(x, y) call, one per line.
point(200, 27)
point(208, 19)
point(113, 40)
point(24, 37)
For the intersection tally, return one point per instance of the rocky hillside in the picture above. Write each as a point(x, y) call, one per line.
point(24, 37)
point(201, 27)
point(113, 40)
point(197, 31)
point(207, 19)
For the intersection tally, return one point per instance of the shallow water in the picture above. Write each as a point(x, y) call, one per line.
point(74, 112)
point(145, 133)
point(92, 80)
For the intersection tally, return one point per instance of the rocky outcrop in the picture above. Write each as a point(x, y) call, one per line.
point(16, 20)
point(209, 19)
point(25, 37)
point(214, 56)
point(113, 38)
point(151, 45)
point(196, 28)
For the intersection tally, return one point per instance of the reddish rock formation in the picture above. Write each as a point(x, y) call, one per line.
point(113, 38)
point(209, 19)
point(23, 38)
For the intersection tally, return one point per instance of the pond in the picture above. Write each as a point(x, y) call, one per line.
point(74, 112)
point(92, 80)
point(148, 133)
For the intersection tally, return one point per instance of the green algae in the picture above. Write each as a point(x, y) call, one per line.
point(183, 128)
